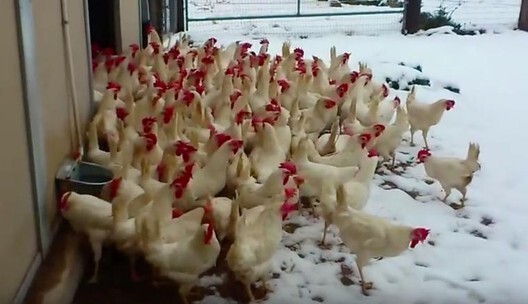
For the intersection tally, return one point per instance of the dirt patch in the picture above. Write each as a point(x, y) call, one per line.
point(115, 286)
point(487, 221)
point(346, 273)
point(479, 234)
point(290, 227)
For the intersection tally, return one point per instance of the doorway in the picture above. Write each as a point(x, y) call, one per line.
point(103, 23)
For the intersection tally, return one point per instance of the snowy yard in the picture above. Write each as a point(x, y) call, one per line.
point(474, 255)
point(494, 15)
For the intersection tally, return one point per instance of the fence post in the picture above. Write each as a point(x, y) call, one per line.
point(523, 16)
point(411, 16)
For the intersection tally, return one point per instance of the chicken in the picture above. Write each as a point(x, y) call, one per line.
point(267, 155)
point(423, 116)
point(202, 185)
point(355, 192)
point(91, 216)
point(184, 260)
point(258, 233)
point(338, 64)
point(349, 156)
point(124, 231)
point(369, 236)
point(452, 172)
point(320, 116)
point(111, 159)
point(391, 138)
point(252, 194)
point(314, 174)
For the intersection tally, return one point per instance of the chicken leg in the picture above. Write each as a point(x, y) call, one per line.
point(97, 249)
point(360, 262)
point(424, 135)
point(134, 276)
point(447, 191)
point(326, 224)
point(313, 202)
point(247, 287)
point(184, 292)
point(462, 190)
point(393, 162)
point(412, 131)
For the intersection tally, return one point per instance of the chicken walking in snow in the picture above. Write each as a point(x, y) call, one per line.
point(369, 236)
point(422, 116)
point(452, 172)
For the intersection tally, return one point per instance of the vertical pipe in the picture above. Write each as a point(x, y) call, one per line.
point(298, 7)
point(180, 17)
point(32, 106)
point(86, 15)
point(173, 16)
point(186, 9)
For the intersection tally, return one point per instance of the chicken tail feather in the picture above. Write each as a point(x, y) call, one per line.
point(473, 156)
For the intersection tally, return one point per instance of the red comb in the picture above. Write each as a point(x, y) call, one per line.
point(222, 138)
point(299, 52)
point(176, 213)
point(290, 167)
point(264, 40)
point(121, 113)
point(290, 192)
point(114, 186)
point(372, 153)
point(241, 115)
point(160, 170)
point(113, 86)
point(168, 112)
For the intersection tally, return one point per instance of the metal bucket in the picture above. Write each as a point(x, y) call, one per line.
point(81, 177)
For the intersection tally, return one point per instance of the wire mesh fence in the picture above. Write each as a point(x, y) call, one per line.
point(304, 18)
point(301, 18)
point(478, 14)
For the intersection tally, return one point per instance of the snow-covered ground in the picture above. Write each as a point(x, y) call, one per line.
point(489, 14)
point(478, 254)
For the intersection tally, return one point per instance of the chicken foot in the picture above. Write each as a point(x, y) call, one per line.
point(184, 291)
point(134, 276)
point(97, 249)
point(360, 262)
point(247, 287)
point(462, 200)
point(393, 161)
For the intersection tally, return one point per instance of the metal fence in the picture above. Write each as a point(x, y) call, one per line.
point(303, 18)
point(292, 17)
point(485, 14)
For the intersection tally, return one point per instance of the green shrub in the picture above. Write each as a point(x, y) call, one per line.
point(443, 17)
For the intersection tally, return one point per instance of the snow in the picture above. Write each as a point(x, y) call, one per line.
point(492, 15)
point(474, 255)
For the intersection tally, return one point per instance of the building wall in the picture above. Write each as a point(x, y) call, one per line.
point(18, 237)
point(129, 26)
point(18, 233)
point(57, 117)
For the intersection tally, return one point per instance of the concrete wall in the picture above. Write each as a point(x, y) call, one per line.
point(18, 237)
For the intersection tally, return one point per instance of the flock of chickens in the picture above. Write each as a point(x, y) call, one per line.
point(211, 145)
